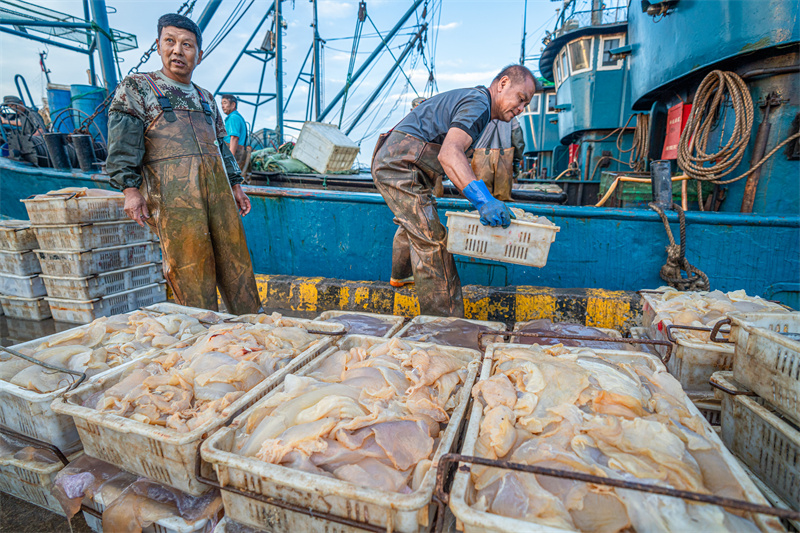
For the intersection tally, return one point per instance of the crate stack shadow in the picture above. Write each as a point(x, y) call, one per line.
point(94, 260)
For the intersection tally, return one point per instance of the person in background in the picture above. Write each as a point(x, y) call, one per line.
point(236, 127)
point(497, 156)
point(432, 140)
point(166, 153)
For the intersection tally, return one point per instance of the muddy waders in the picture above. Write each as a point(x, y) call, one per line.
point(193, 211)
point(405, 169)
point(495, 167)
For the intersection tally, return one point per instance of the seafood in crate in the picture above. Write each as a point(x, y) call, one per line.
point(28, 473)
point(460, 332)
point(546, 326)
point(615, 414)
point(170, 401)
point(695, 357)
point(128, 501)
point(25, 404)
point(358, 323)
point(357, 434)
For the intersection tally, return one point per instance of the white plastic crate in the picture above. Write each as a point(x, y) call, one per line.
point(97, 261)
point(472, 520)
point(31, 414)
point(162, 454)
point(19, 263)
point(99, 285)
point(766, 361)
point(522, 243)
point(24, 286)
point(766, 443)
point(32, 481)
point(66, 208)
point(393, 323)
point(170, 524)
point(325, 148)
point(17, 236)
point(403, 513)
point(78, 237)
point(26, 308)
point(84, 311)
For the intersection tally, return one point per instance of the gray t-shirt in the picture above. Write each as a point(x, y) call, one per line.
point(466, 109)
point(497, 134)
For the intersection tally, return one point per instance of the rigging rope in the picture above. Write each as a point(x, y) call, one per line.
point(360, 18)
point(696, 279)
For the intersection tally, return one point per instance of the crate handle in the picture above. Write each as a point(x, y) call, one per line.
point(443, 495)
point(715, 331)
point(36, 443)
point(727, 390)
point(82, 375)
point(69, 195)
point(672, 338)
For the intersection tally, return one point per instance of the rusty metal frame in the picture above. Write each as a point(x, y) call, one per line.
point(48, 366)
point(730, 503)
point(35, 443)
point(665, 344)
point(715, 332)
point(727, 390)
point(672, 338)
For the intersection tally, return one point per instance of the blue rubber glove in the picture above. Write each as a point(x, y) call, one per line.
point(493, 211)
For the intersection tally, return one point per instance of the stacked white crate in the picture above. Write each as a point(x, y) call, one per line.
point(22, 291)
point(94, 260)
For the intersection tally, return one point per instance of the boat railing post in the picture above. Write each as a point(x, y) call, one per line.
point(662, 183)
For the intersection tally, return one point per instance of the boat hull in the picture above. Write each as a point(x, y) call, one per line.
point(348, 235)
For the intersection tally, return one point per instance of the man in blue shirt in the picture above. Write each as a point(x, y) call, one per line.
point(236, 128)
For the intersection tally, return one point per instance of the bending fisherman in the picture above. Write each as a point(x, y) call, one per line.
point(431, 141)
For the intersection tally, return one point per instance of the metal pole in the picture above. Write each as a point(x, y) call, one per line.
point(597, 12)
point(278, 71)
point(524, 31)
point(208, 14)
point(42, 40)
point(88, 18)
point(373, 55)
point(233, 65)
point(374, 95)
point(317, 76)
point(106, 53)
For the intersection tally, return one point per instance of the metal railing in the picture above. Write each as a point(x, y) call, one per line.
point(598, 17)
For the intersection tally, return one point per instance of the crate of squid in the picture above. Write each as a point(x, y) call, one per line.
point(150, 416)
point(601, 413)
point(353, 439)
point(27, 390)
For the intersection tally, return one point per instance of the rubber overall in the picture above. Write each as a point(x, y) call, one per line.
point(495, 166)
point(405, 169)
point(193, 211)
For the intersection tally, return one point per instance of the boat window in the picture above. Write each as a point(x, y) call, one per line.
point(608, 44)
point(551, 103)
point(533, 107)
point(556, 72)
point(581, 55)
point(564, 65)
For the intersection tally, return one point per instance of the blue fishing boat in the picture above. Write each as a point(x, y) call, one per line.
point(612, 76)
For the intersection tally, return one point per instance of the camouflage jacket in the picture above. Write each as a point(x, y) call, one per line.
point(131, 112)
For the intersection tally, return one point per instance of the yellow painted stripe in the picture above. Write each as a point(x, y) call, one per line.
point(405, 304)
point(607, 309)
point(534, 302)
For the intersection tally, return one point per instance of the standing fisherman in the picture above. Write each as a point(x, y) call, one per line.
point(166, 153)
point(497, 156)
point(430, 141)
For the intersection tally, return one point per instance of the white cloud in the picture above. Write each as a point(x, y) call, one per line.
point(448, 26)
point(467, 78)
point(333, 9)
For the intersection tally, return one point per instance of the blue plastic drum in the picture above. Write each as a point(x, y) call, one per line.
point(86, 98)
point(58, 99)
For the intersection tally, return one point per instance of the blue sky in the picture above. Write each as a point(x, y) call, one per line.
point(475, 39)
